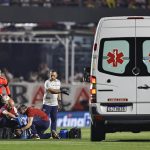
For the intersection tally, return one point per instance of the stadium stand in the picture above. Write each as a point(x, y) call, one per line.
point(133, 4)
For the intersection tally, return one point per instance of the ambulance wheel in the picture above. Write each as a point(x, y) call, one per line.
point(97, 130)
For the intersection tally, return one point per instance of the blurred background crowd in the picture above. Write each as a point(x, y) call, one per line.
point(40, 75)
point(79, 3)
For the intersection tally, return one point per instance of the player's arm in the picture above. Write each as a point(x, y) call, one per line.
point(7, 90)
point(29, 124)
point(7, 87)
point(53, 91)
point(59, 101)
point(50, 89)
point(6, 113)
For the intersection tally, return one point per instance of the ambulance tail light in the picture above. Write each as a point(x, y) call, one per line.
point(92, 79)
point(93, 89)
point(95, 46)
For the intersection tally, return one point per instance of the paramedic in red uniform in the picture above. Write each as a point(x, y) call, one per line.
point(8, 113)
point(4, 84)
point(37, 120)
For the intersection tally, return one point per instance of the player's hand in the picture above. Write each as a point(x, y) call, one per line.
point(59, 105)
point(64, 91)
point(18, 132)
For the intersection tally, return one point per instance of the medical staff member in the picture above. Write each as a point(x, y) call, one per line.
point(4, 84)
point(38, 121)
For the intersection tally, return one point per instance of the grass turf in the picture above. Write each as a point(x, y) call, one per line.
point(114, 141)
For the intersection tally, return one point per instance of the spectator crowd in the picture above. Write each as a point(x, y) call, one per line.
point(40, 75)
point(79, 3)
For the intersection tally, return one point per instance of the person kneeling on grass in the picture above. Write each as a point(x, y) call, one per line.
point(38, 121)
point(8, 114)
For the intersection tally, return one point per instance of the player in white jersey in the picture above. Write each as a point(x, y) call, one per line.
point(51, 98)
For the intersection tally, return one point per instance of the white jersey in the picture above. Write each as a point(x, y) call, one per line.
point(49, 98)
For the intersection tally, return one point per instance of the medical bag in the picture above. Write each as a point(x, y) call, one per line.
point(75, 133)
point(64, 133)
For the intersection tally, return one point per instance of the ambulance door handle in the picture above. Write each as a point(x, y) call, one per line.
point(144, 87)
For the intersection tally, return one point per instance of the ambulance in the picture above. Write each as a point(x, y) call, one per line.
point(120, 76)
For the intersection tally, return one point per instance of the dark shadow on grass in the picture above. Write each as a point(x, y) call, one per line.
point(129, 140)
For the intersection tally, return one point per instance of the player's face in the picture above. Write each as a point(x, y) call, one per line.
point(53, 75)
point(22, 111)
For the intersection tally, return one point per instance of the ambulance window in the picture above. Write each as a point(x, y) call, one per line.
point(146, 54)
point(115, 56)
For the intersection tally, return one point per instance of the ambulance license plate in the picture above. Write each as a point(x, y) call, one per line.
point(116, 108)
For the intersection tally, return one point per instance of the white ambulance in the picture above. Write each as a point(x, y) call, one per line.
point(120, 76)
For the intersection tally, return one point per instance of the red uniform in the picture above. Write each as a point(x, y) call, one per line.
point(4, 83)
point(35, 112)
point(5, 107)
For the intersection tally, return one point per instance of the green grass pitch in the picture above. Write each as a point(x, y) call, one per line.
point(114, 141)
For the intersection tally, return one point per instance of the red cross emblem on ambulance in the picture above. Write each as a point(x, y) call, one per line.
point(115, 57)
